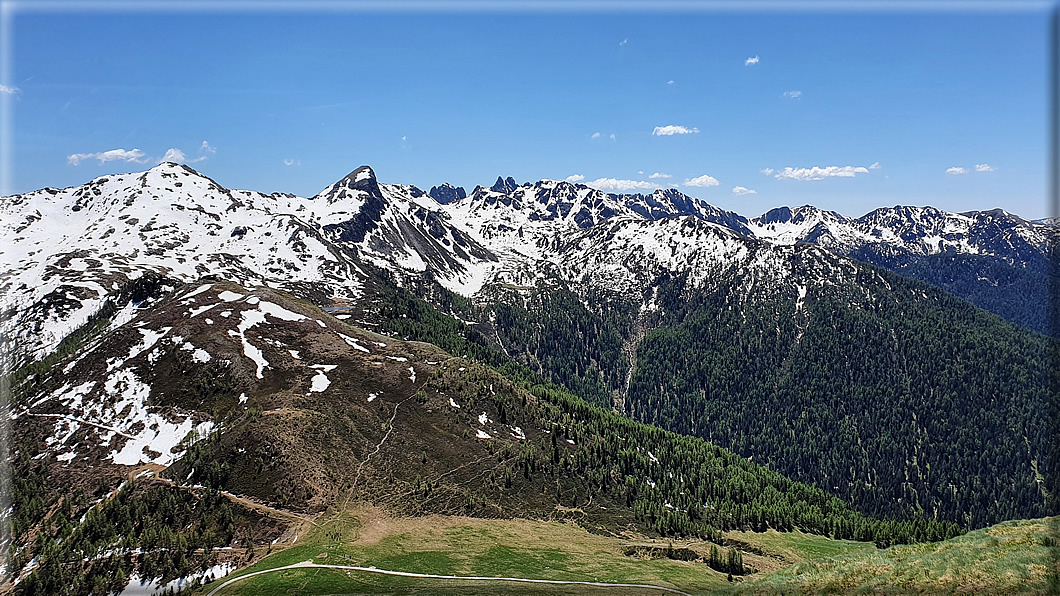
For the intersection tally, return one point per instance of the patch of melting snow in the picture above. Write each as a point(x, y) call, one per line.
point(412, 374)
point(138, 586)
point(398, 358)
point(226, 313)
point(321, 380)
point(453, 403)
point(379, 343)
point(353, 343)
point(481, 434)
point(321, 323)
point(518, 433)
point(201, 309)
point(253, 300)
point(342, 317)
point(571, 441)
point(294, 354)
point(209, 321)
point(198, 290)
point(66, 456)
point(243, 398)
point(150, 337)
point(483, 419)
point(275, 310)
point(229, 296)
point(372, 396)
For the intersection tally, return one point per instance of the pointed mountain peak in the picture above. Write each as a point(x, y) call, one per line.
point(505, 185)
point(363, 178)
point(446, 193)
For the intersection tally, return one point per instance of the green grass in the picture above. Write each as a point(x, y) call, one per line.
point(462, 546)
point(796, 546)
point(1009, 558)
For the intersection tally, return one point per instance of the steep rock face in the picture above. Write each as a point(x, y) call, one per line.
point(504, 185)
point(447, 193)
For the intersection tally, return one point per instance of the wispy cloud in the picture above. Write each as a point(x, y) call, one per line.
point(574, 178)
point(612, 137)
point(673, 129)
point(177, 156)
point(956, 170)
point(291, 162)
point(767, 171)
point(659, 175)
point(983, 167)
point(702, 181)
point(751, 61)
point(740, 190)
point(596, 135)
point(875, 165)
point(133, 155)
point(623, 42)
point(174, 155)
point(819, 173)
point(615, 185)
point(793, 94)
point(670, 82)
point(5, 90)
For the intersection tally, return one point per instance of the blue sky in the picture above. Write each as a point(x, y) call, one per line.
point(847, 110)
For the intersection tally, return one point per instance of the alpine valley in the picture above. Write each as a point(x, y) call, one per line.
point(535, 381)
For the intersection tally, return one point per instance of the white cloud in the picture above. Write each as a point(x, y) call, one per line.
point(767, 171)
point(673, 129)
point(133, 155)
point(574, 178)
point(596, 135)
point(658, 175)
point(793, 94)
point(612, 137)
point(751, 61)
point(956, 171)
point(875, 165)
point(670, 82)
point(174, 155)
point(404, 138)
point(291, 162)
point(5, 90)
point(623, 42)
point(818, 173)
point(701, 181)
point(982, 167)
point(613, 185)
point(740, 190)
point(206, 148)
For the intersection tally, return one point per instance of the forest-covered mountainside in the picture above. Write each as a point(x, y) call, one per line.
point(885, 391)
point(253, 408)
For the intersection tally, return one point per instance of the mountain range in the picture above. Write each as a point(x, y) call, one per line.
point(165, 324)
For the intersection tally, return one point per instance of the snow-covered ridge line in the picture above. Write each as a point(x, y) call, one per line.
point(67, 251)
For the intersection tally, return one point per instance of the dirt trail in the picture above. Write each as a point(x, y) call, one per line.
point(311, 565)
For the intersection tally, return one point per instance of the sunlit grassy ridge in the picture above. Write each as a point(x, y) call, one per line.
point(475, 547)
point(1015, 557)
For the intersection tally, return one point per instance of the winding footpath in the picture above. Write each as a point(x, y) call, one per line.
point(312, 565)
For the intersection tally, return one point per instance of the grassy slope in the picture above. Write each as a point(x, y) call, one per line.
point(1009, 558)
point(513, 548)
point(1014, 557)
